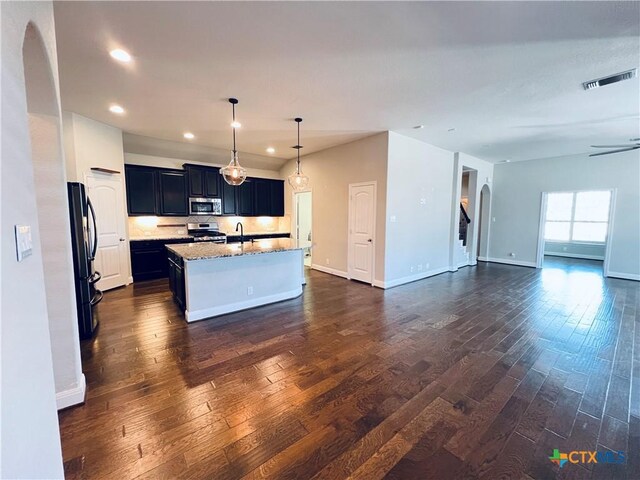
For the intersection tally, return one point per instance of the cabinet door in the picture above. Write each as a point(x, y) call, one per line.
point(277, 198)
point(195, 178)
point(148, 263)
point(173, 192)
point(141, 190)
point(262, 192)
point(245, 198)
point(179, 293)
point(228, 199)
point(212, 182)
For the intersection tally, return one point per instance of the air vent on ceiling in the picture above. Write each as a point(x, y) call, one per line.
point(618, 77)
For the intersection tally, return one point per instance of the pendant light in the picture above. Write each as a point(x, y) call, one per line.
point(234, 174)
point(298, 180)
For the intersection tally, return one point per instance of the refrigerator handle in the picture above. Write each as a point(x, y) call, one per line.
point(94, 234)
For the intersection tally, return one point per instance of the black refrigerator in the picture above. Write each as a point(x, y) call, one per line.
point(84, 240)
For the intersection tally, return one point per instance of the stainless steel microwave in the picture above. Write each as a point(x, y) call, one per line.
point(205, 206)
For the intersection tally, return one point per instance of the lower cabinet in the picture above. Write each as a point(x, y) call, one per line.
point(176, 279)
point(149, 258)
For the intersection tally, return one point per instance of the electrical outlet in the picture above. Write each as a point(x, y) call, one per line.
point(419, 267)
point(393, 219)
point(564, 249)
point(249, 290)
point(411, 268)
point(327, 261)
point(423, 201)
point(426, 266)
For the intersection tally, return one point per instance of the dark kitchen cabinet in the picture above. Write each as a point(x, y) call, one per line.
point(269, 197)
point(176, 279)
point(173, 192)
point(228, 199)
point(245, 199)
point(262, 192)
point(149, 258)
point(277, 198)
point(156, 191)
point(142, 192)
point(204, 182)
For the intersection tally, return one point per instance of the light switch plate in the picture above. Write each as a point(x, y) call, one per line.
point(24, 245)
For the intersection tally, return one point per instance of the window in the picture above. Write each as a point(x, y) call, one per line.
point(577, 217)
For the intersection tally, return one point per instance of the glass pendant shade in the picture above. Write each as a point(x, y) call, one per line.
point(234, 174)
point(298, 180)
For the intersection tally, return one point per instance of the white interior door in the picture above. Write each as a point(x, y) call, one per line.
point(362, 210)
point(105, 192)
point(303, 218)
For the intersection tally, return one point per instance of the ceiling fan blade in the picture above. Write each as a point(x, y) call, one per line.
point(615, 151)
point(614, 146)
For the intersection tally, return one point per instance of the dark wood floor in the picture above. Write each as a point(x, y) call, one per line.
point(477, 374)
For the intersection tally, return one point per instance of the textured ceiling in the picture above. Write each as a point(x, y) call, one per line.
point(506, 76)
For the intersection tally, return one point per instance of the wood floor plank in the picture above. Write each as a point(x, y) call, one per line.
point(475, 374)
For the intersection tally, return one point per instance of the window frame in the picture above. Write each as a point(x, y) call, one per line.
point(572, 221)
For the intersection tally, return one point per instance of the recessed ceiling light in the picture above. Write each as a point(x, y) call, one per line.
point(418, 127)
point(189, 136)
point(271, 150)
point(236, 124)
point(120, 55)
point(505, 161)
point(116, 109)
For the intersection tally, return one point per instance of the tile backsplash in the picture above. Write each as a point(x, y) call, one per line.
point(167, 226)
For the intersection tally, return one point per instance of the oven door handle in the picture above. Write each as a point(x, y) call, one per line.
point(97, 298)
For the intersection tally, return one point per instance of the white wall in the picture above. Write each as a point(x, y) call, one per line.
point(330, 173)
point(517, 194)
point(89, 143)
point(29, 436)
point(419, 202)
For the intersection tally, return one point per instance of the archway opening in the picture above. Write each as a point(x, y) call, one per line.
point(483, 223)
point(50, 192)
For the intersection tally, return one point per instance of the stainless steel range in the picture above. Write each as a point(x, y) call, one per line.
point(206, 232)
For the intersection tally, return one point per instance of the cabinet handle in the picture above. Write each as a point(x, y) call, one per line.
point(122, 239)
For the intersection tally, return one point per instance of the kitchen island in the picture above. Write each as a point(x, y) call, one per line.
point(210, 279)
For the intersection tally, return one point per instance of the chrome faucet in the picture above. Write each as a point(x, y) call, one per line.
point(239, 225)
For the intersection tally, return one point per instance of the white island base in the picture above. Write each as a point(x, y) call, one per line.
point(215, 286)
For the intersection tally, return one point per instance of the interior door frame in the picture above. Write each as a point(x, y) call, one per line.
point(543, 219)
point(373, 183)
point(294, 202)
point(96, 175)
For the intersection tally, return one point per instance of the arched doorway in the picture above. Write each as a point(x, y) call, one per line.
point(484, 223)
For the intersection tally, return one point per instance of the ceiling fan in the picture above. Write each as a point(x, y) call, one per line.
point(618, 148)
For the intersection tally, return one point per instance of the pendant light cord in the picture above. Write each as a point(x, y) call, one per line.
point(233, 106)
point(298, 166)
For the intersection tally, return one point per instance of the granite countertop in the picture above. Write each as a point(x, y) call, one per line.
point(169, 236)
point(206, 250)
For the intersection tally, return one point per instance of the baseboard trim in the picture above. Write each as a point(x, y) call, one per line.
point(411, 278)
point(517, 263)
point(73, 396)
point(331, 271)
point(192, 316)
point(624, 276)
point(577, 255)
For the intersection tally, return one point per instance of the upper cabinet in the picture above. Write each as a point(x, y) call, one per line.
point(142, 190)
point(204, 182)
point(269, 197)
point(173, 192)
point(156, 191)
point(164, 191)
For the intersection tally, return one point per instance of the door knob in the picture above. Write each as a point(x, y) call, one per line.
point(369, 240)
point(122, 239)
